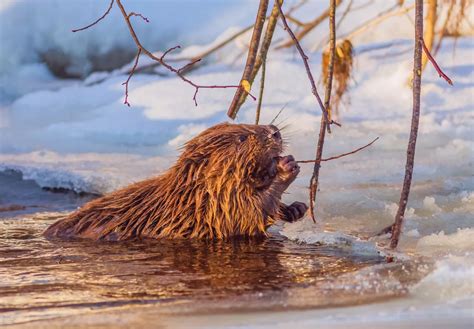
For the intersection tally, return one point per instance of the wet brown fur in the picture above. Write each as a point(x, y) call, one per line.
point(219, 187)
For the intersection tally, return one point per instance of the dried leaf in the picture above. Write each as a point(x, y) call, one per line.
point(246, 85)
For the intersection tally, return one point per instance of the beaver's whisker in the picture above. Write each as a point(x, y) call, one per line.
point(283, 123)
point(278, 114)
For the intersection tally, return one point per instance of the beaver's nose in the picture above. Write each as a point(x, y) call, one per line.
point(275, 132)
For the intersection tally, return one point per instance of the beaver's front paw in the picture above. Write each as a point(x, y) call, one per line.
point(294, 211)
point(288, 169)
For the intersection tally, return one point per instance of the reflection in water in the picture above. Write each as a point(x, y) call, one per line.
point(41, 278)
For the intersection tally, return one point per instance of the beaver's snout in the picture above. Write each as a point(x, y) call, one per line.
point(275, 138)
point(275, 133)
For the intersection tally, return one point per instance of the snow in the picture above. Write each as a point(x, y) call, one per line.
point(451, 280)
point(457, 243)
point(78, 134)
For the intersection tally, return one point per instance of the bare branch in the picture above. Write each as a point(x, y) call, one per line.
point(204, 53)
point(160, 60)
point(132, 71)
point(314, 182)
point(308, 28)
point(433, 61)
point(139, 15)
point(168, 51)
point(262, 54)
point(97, 20)
point(417, 71)
point(340, 155)
point(251, 57)
point(308, 69)
point(260, 95)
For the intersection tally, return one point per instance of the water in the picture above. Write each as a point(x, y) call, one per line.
point(42, 280)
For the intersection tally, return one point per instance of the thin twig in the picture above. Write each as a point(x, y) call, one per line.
point(260, 95)
point(340, 155)
point(435, 64)
point(308, 28)
point(139, 15)
point(168, 51)
point(132, 71)
point(417, 71)
point(202, 55)
point(97, 20)
point(306, 64)
point(278, 114)
point(314, 182)
point(251, 57)
point(186, 67)
point(264, 48)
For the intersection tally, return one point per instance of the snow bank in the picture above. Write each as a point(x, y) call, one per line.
point(86, 172)
point(458, 243)
point(452, 280)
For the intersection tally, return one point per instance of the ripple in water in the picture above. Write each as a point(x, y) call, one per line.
point(41, 279)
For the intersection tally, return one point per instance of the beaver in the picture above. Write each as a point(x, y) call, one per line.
point(227, 182)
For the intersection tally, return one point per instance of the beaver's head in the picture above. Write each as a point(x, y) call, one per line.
point(240, 151)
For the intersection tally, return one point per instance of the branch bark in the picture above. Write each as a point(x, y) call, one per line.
point(314, 182)
point(417, 71)
point(260, 96)
point(262, 56)
point(251, 57)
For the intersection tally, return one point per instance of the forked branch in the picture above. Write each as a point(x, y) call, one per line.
point(141, 50)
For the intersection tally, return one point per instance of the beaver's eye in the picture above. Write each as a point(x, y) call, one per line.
point(242, 138)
